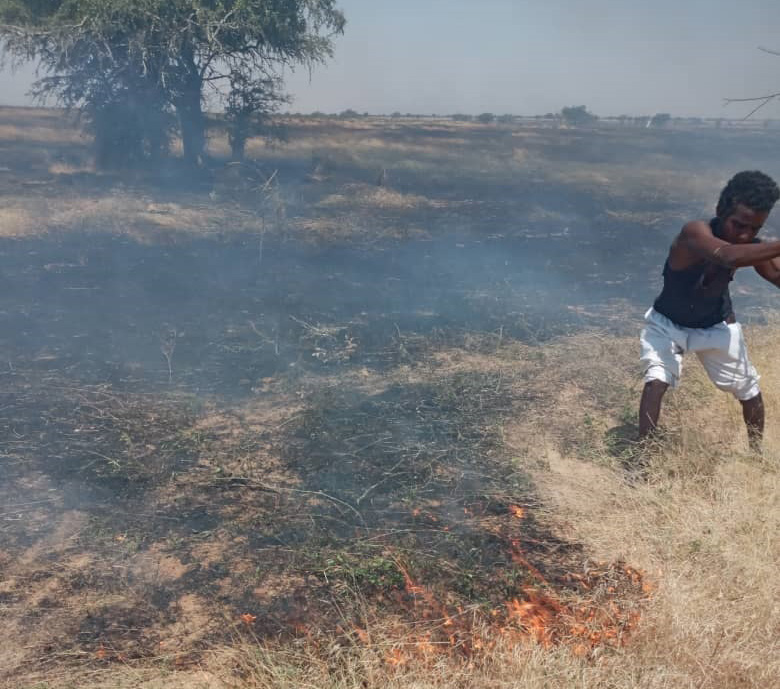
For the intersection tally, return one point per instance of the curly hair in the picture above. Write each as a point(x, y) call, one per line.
point(751, 188)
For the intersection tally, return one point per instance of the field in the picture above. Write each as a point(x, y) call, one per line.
point(358, 412)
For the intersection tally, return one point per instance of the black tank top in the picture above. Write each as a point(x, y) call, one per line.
point(697, 296)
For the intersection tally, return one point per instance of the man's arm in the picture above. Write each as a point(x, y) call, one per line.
point(770, 271)
point(697, 237)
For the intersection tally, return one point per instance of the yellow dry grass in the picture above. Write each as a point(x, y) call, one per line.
point(56, 134)
point(367, 197)
point(20, 221)
point(704, 528)
point(621, 181)
point(121, 213)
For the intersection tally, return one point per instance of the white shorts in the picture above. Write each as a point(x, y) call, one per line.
point(720, 348)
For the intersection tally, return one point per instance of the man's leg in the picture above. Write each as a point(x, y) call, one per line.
point(650, 406)
point(728, 366)
point(753, 413)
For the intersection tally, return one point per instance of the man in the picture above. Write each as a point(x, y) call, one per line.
point(693, 313)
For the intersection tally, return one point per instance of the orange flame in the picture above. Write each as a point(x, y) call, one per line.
point(536, 615)
point(575, 617)
point(396, 658)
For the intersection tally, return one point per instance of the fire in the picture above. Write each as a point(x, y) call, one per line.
point(582, 611)
point(396, 658)
point(536, 615)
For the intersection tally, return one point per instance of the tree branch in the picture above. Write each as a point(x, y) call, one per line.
point(764, 100)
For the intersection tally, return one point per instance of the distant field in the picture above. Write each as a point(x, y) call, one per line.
point(356, 413)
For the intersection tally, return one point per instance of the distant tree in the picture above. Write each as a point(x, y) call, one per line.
point(250, 102)
point(163, 56)
point(506, 119)
point(660, 119)
point(396, 115)
point(486, 118)
point(577, 115)
point(460, 117)
point(349, 114)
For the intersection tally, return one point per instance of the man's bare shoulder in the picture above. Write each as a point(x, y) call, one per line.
point(696, 228)
point(688, 247)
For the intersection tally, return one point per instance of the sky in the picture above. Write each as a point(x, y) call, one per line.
point(529, 57)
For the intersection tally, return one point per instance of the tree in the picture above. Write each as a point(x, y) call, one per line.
point(577, 115)
point(249, 102)
point(660, 119)
point(167, 56)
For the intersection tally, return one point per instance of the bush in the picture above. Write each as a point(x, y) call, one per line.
point(577, 115)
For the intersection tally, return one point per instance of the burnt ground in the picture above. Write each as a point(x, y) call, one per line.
point(259, 423)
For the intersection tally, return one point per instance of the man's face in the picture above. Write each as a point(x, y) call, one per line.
point(742, 226)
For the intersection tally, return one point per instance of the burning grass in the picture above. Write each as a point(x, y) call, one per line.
point(463, 535)
point(423, 524)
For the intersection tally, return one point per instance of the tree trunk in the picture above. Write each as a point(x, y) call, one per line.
point(192, 123)
point(193, 134)
point(238, 133)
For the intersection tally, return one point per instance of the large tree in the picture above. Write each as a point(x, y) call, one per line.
point(138, 59)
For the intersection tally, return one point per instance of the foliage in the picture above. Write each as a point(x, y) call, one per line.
point(486, 118)
point(660, 119)
point(577, 115)
point(141, 59)
point(249, 102)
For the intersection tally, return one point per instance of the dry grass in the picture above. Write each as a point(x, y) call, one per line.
point(373, 197)
point(55, 134)
point(20, 221)
point(122, 214)
point(703, 528)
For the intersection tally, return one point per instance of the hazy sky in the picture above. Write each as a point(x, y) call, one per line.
point(535, 56)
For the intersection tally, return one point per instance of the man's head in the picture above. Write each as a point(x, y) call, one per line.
point(744, 205)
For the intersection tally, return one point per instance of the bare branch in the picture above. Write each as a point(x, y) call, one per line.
point(769, 96)
point(764, 100)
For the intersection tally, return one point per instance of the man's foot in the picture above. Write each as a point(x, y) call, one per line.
point(636, 461)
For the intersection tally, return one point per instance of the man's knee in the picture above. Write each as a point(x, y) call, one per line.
point(743, 390)
point(656, 387)
point(755, 402)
